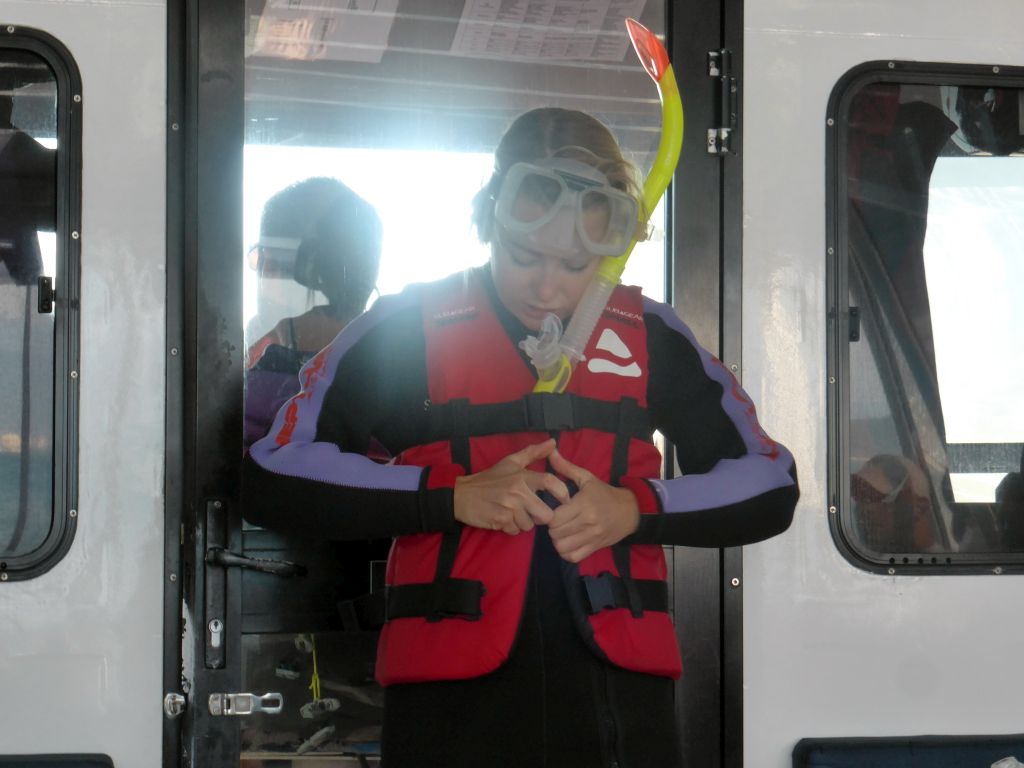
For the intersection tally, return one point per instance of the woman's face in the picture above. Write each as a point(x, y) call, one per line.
point(546, 230)
point(532, 284)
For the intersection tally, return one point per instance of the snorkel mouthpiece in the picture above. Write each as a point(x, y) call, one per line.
point(546, 351)
point(554, 372)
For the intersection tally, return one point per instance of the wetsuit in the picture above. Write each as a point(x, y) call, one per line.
point(553, 702)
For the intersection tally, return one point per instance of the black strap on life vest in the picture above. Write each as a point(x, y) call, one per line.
point(442, 598)
point(456, 598)
point(630, 413)
point(458, 433)
point(620, 554)
point(609, 591)
point(536, 412)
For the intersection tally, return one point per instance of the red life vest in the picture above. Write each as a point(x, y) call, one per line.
point(474, 373)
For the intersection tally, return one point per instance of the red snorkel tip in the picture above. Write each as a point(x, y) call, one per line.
point(649, 50)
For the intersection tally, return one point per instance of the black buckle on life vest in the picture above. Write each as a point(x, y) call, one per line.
point(609, 591)
point(548, 412)
point(599, 592)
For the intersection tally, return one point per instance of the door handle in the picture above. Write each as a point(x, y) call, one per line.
point(224, 558)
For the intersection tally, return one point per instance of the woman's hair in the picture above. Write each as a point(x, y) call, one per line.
point(340, 234)
point(550, 132)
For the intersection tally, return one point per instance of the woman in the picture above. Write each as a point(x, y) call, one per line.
point(322, 236)
point(527, 603)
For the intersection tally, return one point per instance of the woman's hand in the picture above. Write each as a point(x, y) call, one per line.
point(599, 515)
point(504, 497)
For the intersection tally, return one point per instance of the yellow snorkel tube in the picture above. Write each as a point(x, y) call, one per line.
point(566, 351)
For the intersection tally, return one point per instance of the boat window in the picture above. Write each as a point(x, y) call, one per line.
point(35, 511)
point(369, 129)
point(928, 427)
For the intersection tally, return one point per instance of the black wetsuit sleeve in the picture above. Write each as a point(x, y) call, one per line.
point(737, 485)
point(312, 475)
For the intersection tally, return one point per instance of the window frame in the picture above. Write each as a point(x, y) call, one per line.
point(64, 512)
point(838, 316)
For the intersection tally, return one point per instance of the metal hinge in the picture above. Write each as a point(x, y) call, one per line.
point(719, 136)
point(245, 703)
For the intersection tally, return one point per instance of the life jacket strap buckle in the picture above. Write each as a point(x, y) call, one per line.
point(548, 412)
point(607, 590)
point(599, 592)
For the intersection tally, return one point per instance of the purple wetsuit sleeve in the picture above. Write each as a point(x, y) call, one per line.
point(293, 480)
point(743, 487)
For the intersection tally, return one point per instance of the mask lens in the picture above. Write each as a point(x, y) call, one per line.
point(607, 221)
point(596, 216)
point(535, 198)
point(274, 259)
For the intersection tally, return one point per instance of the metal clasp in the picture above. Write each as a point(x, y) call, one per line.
point(245, 703)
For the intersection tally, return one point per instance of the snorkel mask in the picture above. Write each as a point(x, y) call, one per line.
point(274, 257)
point(289, 258)
point(564, 207)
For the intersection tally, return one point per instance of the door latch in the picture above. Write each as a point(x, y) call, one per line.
point(46, 295)
point(241, 704)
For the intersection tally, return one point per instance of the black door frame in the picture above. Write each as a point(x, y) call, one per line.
point(204, 385)
point(706, 281)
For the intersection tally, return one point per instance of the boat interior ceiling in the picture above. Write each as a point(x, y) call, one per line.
point(443, 74)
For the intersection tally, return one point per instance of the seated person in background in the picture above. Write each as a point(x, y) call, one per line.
point(894, 507)
point(325, 237)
